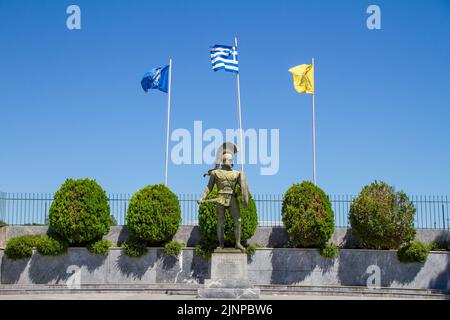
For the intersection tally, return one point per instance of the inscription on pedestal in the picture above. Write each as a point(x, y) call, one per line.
point(229, 266)
point(229, 277)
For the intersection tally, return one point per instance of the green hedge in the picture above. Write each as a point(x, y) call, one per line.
point(173, 248)
point(251, 249)
point(382, 218)
point(307, 215)
point(439, 246)
point(134, 247)
point(207, 220)
point(80, 211)
point(154, 214)
point(415, 251)
point(205, 249)
point(51, 246)
point(330, 251)
point(21, 247)
point(99, 247)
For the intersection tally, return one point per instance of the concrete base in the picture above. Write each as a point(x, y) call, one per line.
point(228, 283)
point(229, 264)
point(228, 289)
point(229, 277)
point(228, 293)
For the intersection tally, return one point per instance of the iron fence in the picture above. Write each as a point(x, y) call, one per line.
point(432, 212)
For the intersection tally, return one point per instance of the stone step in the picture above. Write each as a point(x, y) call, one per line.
point(228, 283)
point(188, 292)
point(178, 289)
point(296, 288)
point(367, 294)
point(229, 293)
point(191, 289)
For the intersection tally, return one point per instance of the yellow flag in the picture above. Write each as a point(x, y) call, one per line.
point(303, 78)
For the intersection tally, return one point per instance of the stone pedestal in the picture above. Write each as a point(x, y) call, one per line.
point(229, 278)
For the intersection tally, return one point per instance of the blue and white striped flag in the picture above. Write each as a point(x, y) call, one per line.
point(224, 58)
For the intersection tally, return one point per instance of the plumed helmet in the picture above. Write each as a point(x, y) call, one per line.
point(226, 148)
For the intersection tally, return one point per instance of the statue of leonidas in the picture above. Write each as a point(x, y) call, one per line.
point(226, 179)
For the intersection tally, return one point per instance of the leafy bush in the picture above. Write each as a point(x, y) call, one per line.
point(80, 211)
point(173, 248)
point(134, 247)
point(21, 247)
point(99, 247)
point(3, 223)
point(330, 251)
point(415, 251)
point(51, 246)
point(307, 215)
point(438, 246)
point(207, 220)
point(434, 246)
point(154, 214)
point(205, 249)
point(251, 248)
point(382, 218)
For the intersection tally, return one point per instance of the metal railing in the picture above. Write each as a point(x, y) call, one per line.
point(432, 212)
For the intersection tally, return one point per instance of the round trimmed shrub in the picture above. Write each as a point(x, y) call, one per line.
point(415, 251)
point(80, 211)
point(207, 220)
point(154, 214)
point(307, 215)
point(382, 218)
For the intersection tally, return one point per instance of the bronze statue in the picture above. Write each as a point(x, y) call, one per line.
point(226, 179)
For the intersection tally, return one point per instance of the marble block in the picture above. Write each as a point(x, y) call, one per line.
point(229, 277)
point(229, 264)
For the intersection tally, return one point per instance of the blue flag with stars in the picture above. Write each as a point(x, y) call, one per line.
point(157, 78)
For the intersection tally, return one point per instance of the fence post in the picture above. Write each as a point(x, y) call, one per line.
point(443, 217)
point(2, 205)
point(446, 206)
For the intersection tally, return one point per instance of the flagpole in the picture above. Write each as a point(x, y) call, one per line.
point(168, 122)
point(314, 130)
point(239, 113)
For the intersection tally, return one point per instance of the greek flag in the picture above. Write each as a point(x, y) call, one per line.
point(224, 58)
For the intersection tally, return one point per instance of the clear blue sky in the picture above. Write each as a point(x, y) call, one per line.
point(71, 104)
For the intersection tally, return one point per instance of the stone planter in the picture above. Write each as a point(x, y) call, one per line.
point(268, 266)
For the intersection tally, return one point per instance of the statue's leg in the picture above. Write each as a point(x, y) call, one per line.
point(220, 225)
point(234, 208)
